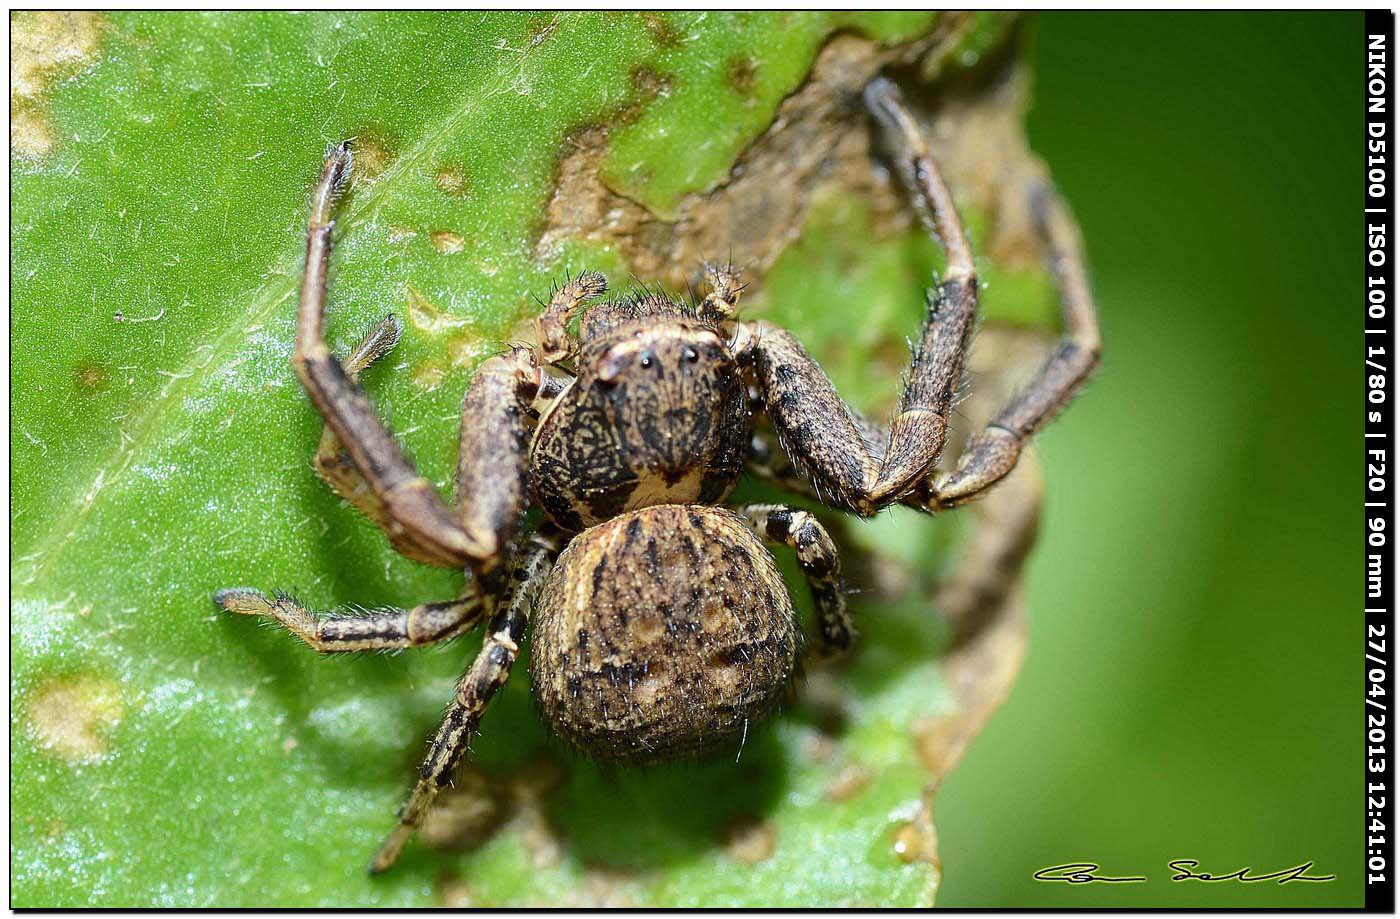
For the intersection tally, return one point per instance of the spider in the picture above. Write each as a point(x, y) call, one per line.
point(661, 624)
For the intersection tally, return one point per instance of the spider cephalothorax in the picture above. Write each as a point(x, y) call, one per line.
point(657, 413)
point(661, 624)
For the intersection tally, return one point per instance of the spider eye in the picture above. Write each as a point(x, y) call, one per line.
point(692, 355)
point(646, 361)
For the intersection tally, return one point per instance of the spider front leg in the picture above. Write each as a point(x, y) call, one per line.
point(412, 511)
point(993, 453)
point(478, 685)
point(849, 462)
point(493, 454)
point(552, 327)
point(821, 565)
point(495, 409)
point(490, 443)
point(332, 462)
point(722, 299)
point(828, 441)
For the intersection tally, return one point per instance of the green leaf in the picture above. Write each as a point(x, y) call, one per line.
point(163, 755)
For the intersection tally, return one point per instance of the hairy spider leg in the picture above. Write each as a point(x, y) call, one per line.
point(409, 510)
point(851, 463)
point(722, 299)
point(493, 454)
point(332, 462)
point(412, 509)
point(556, 344)
point(375, 630)
point(820, 561)
point(993, 453)
point(824, 437)
point(487, 674)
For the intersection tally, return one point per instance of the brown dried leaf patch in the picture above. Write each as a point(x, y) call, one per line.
point(820, 135)
point(46, 46)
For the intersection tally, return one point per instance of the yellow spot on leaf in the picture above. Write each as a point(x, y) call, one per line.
point(45, 46)
point(849, 782)
point(90, 377)
point(426, 317)
point(373, 154)
point(452, 181)
point(31, 135)
point(71, 715)
point(447, 242)
point(915, 841)
point(453, 893)
point(427, 375)
point(462, 345)
point(457, 338)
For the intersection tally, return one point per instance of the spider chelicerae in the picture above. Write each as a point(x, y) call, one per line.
point(661, 625)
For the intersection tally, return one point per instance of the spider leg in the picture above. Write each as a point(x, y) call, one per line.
point(410, 511)
point(412, 508)
point(917, 434)
point(993, 453)
point(768, 460)
point(722, 300)
point(487, 674)
point(850, 462)
point(816, 429)
point(553, 324)
point(378, 630)
point(493, 455)
point(820, 562)
point(827, 440)
point(332, 462)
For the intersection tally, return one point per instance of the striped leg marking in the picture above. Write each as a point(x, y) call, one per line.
point(478, 685)
point(377, 630)
point(820, 562)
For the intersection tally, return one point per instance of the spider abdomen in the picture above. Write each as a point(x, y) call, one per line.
point(660, 634)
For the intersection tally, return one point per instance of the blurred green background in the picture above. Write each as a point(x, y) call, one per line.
point(1193, 686)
